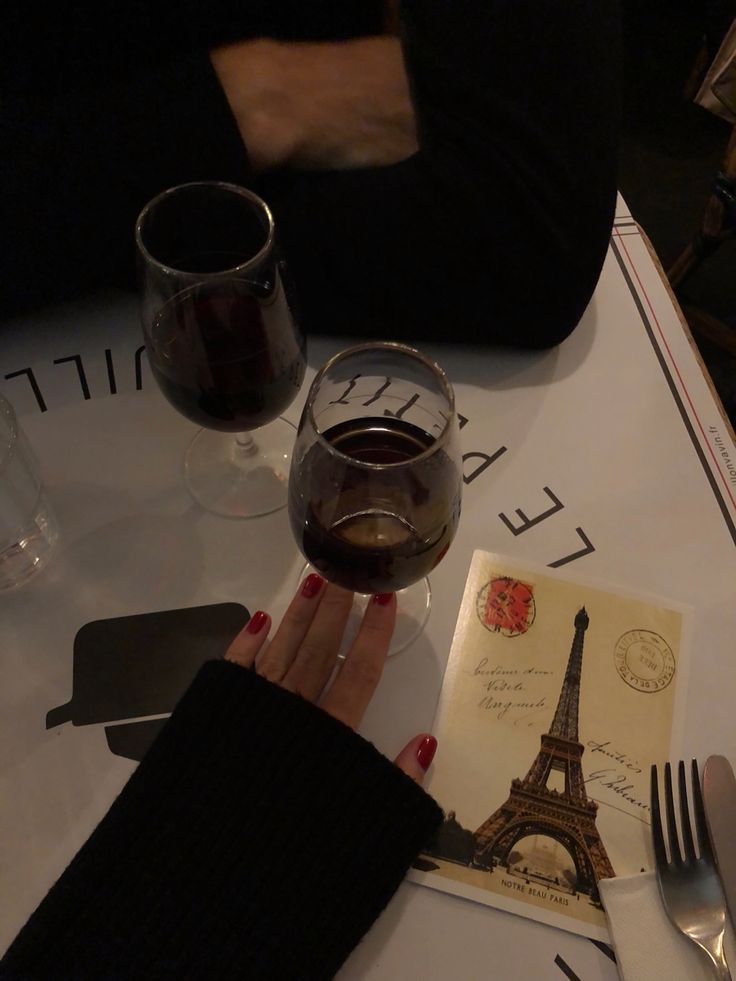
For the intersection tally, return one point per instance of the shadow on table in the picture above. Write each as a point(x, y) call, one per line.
point(137, 562)
point(249, 560)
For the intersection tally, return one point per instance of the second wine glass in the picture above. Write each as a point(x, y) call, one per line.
point(222, 339)
point(376, 480)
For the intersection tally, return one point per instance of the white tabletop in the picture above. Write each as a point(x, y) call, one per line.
point(615, 433)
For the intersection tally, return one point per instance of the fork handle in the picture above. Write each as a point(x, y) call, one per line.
point(718, 960)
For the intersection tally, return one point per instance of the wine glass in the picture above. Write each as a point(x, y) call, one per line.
point(376, 480)
point(222, 339)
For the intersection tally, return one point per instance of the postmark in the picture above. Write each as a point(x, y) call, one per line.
point(644, 660)
point(506, 606)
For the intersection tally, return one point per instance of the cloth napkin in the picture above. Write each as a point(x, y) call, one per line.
point(647, 945)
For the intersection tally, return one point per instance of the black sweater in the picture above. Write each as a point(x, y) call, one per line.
point(495, 231)
point(258, 839)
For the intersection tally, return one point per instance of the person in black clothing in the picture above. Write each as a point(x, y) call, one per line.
point(493, 231)
point(260, 836)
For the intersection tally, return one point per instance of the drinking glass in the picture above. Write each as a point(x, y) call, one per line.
point(222, 339)
point(376, 480)
point(28, 528)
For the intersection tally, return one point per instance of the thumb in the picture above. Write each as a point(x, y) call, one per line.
point(415, 758)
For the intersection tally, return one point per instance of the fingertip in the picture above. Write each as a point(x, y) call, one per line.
point(379, 615)
point(311, 586)
point(247, 644)
point(384, 599)
point(381, 610)
point(257, 622)
point(426, 750)
point(416, 757)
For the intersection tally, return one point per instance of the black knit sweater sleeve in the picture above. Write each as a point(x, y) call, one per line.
point(496, 230)
point(259, 838)
point(83, 160)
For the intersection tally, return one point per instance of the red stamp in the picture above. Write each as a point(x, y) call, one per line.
point(506, 606)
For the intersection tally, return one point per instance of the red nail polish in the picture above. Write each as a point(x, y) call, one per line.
point(257, 622)
point(312, 585)
point(425, 752)
point(383, 599)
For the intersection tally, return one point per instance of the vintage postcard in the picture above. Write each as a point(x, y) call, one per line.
point(557, 698)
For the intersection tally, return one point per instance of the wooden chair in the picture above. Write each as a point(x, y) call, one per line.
point(719, 219)
point(718, 225)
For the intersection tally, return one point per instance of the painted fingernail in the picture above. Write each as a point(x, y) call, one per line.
point(426, 750)
point(257, 622)
point(382, 599)
point(312, 585)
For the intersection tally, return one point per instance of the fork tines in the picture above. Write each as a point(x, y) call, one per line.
point(676, 855)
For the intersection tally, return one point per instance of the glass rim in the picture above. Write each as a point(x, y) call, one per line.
point(242, 192)
point(395, 347)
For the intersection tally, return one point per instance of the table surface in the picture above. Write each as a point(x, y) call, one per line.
point(615, 433)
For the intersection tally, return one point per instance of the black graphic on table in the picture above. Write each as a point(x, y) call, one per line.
point(136, 666)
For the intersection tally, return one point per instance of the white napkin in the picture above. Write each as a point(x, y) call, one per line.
point(647, 945)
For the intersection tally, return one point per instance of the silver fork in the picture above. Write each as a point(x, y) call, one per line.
point(691, 890)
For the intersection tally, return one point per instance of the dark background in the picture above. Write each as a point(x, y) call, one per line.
point(671, 150)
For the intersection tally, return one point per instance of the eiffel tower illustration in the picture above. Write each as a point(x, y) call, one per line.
point(567, 816)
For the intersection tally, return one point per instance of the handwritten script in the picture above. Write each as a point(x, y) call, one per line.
point(509, 692)
point(616, 779)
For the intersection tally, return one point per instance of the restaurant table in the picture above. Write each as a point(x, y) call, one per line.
point(606, 457)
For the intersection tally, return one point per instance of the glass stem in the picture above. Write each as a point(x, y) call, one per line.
point(246, 444)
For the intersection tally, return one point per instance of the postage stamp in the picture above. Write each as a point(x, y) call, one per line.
point(506, 606)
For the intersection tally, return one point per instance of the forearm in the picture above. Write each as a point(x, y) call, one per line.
point(234, 850)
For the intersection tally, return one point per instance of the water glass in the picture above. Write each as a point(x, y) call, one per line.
point(28, 528)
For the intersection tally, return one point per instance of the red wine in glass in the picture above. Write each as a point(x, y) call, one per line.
point(377, 548)
point(223, 362)
point(223, 341)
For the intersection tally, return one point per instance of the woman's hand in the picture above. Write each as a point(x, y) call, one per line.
point(314, 106)
point(302, 656)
